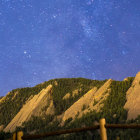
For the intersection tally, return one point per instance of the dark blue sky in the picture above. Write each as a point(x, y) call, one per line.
point(46, 39)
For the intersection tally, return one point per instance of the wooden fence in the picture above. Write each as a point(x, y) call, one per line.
point(102, 126)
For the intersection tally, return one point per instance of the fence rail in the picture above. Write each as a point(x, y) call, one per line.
point(102, 126)
point(74, 130)
point(122, 126)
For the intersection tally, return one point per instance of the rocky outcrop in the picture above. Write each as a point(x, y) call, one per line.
point(77, 106)
point(67, 96)
point(75, 92)
point(51, 109)
point(1, 99)
point(126, 79)
point(1, 127)
point(5, 98)
point(133, 99)
point(15, 94)
point(55, 83)
point(32, 108)
point(87, 102)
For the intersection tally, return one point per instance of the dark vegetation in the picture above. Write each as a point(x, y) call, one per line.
point(4, 135)
point(112, 110)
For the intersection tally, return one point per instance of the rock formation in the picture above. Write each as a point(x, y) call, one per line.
point(32, 108)
point(67, 96)
point(1, 127)
point(133, 99)
point(86, 102)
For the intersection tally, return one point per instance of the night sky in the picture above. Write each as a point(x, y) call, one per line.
point(46, 39)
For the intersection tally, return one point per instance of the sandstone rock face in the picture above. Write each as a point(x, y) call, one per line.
point(77, 106)
point(75, 92)
point(3, 99)
point(67, 96)
point(15, 94)
point(32, 107)
point(133, 99)
point(51, 109)
point(1, 127)
point(86, 102)
point(55, 83)
point(125, 79)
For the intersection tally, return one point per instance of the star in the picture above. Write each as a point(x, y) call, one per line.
point(56, 39)
point(25, 52)
point(54, 16)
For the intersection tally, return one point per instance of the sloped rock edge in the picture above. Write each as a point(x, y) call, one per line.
point(32, 107)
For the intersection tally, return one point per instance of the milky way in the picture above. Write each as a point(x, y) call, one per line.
point(46, 39)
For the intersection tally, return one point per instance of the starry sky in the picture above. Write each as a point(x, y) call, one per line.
point(46, 39)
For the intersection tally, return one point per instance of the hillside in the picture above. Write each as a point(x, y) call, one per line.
point(71, 102)
point(17, 98)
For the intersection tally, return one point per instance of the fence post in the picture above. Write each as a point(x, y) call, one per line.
point(103, 129)
point(14, 136)
point(19, 135)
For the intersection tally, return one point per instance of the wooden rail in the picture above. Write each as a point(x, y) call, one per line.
point(75, 130)
point(122, 126)
point(102, 126)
